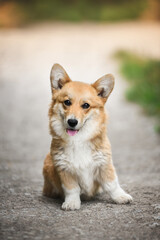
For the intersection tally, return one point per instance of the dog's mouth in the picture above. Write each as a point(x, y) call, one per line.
point(71, 132)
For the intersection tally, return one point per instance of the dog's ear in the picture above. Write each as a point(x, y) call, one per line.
point(104, 86)
point(58, 77)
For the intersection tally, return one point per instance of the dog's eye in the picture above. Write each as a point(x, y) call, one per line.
point(85, 106)
point(67, 102)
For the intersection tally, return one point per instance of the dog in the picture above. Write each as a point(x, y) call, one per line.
point(80, 158)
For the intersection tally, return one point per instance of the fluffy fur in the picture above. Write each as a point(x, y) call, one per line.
point(80, 158)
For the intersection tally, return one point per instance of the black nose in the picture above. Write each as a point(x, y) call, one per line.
point(72, 122)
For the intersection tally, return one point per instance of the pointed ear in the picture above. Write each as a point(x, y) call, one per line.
point(58, 77)
point(104, 86)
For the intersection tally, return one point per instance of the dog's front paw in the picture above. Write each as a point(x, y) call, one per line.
point(122, 198)
point(71, 205)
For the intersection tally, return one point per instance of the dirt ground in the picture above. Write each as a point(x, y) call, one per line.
point(85, 50)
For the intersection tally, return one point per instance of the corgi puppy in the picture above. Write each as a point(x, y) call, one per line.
point(80, 158)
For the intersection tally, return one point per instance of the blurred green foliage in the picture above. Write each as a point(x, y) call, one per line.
point(79, 10)
point(144, 78)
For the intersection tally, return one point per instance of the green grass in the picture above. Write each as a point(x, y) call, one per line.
point(81, 10)
point(144, 78)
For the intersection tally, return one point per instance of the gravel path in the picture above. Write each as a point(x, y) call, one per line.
point(26, 57)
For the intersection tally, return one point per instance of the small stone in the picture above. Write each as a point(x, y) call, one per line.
point(157, 217)
point(27, 194)
point(155, 224)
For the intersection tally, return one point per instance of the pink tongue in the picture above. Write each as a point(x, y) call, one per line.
point(71, 132)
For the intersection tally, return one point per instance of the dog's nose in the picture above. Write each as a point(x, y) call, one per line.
point(72, 122)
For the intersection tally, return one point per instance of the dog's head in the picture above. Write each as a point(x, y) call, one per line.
point(77, 108)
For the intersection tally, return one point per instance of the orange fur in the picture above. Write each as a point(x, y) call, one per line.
point(52, 185)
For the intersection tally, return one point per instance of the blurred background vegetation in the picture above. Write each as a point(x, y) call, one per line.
point(20, 12)
point(143, 75)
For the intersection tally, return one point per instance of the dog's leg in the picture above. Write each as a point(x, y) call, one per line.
point(71, 192)
point(110, 184)
point(50, 190)
point(52, 185)
point(47, 189)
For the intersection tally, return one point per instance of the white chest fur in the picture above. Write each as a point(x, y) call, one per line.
point(81, 163)
point(79, 155)
point(78, 159)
